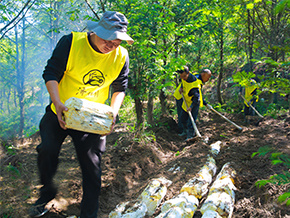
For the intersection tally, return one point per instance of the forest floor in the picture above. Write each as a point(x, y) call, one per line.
point(129, 164)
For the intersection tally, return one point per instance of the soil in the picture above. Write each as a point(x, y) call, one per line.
point(133, 159)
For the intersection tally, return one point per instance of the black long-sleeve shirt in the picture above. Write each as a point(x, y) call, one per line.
point(56, 65)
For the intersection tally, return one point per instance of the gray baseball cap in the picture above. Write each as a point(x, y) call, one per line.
point(113, 25)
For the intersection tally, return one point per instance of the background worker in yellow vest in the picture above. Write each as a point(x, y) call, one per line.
point(191, 85)
point(250, 96)
point(82, 65)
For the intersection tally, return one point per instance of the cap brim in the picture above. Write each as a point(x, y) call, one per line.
point(124, 36)
point(108, 34)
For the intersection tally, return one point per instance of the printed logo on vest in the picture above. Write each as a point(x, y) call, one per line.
point(94, 78)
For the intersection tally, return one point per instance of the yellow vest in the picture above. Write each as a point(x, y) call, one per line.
point(89, 73)
point(187, 87)
point(248, 95)
point(177, 94)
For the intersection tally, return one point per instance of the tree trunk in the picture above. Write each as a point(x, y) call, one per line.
point(176, 78)
point(162, 98)
point(250, 41)
point(136, 95)
point(15, 95)
point(139, 111)
point(289, 104)
point(22, 73)
point(271, 98)
point(20, 91)
point(199, 51)
point(150, 109)
point(53, 23)
point(219, 96)
point(1, 97)
point(8, 100)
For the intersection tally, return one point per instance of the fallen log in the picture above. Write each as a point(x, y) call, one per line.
point(146, 203)
point(221, 196)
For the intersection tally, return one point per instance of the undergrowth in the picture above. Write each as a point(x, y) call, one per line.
point(276, 179)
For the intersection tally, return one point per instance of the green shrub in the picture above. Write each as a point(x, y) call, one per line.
point(276, 179)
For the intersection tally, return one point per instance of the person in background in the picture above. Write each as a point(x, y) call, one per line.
point(251, 97)
point(82, 65)
point(191, 85)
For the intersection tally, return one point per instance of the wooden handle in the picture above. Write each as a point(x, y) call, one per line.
point(192, 120)
point(231, 122)
point(252, 107)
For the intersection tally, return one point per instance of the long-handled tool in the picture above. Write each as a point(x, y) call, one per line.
point(249, 103)
point(192, 120)
point(254, 109)
point(222, 116)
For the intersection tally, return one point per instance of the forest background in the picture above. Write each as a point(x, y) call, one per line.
point(236, 39)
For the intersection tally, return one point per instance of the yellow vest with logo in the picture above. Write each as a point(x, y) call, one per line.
point(177, 94)
point(187, 87)
point(89, 73)
point(248, 93)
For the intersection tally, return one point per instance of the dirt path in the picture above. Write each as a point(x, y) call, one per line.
point(129, 164)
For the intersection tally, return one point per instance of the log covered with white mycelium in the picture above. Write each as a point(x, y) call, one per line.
point(181, 206)
point(186, 203)
point(215, 148)
point(146, 203)
point(88, 116)
point(221, 197)
point(198, 185)
point(125, 210)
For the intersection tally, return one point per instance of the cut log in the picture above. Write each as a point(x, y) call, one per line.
point(154, 193)
point(146, 203)
point(198, 185)
point(221, 196)
point(88, 116)
point(138, 210)
point(181, 206)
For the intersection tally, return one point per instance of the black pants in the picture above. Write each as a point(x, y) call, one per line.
point(89, 148)
point(179, 111)
point(249, 110)
point(186, 121)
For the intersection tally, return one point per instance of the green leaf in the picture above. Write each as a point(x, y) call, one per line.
point(256, 44)
point(284, 197)
point(282, 5)
point(264, 150)
point(250, 6)
point(276, 154)
point(13, 169)
point(279, 179)
point(254, 154)
point(274, 162)
point(262, 183)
